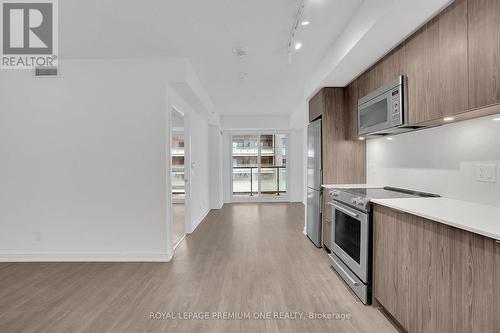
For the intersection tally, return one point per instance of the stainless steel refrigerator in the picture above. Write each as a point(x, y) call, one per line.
point(314, 179)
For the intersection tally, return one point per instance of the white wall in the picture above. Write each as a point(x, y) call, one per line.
point(441, 160)
point(255, 122)
point(83, 162)
point(296, 150)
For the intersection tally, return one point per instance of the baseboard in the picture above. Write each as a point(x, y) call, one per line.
point(87, 257)
point(199, 220)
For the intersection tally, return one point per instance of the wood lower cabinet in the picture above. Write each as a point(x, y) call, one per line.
point(484, 52)
point(434, 278)
point(326, 221)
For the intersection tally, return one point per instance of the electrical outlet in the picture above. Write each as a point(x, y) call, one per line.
point(486, 173)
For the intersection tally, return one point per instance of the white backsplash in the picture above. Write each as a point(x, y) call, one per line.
point(441, 160)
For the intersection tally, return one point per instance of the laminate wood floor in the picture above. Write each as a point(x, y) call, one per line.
point(248, 258)
point(178, 222)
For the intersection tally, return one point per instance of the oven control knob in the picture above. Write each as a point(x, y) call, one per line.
point(358, 201)
point(334, 193)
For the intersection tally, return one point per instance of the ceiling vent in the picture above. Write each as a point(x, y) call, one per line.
point(46, 72)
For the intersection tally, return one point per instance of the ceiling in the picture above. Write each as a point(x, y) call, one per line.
point(205, 32)
point(344, 38)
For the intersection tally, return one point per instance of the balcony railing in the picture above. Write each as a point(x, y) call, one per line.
point(272, 179)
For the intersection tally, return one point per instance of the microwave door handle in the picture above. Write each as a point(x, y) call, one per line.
point(343, 210)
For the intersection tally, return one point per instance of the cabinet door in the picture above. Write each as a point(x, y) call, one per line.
point(422, 60)
point(316, 106)
point(391, 66)
point(327, 234)
point(484, 52)
point(436, 60)
point(327, 220)
point(367, 82)
point(453, 71)
point(333, 135)
point(352, 98)
point(435, 278)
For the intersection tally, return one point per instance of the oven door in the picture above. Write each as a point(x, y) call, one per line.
point(379, 114)
point(350, 238)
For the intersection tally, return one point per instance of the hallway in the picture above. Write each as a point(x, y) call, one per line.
point(243, 258)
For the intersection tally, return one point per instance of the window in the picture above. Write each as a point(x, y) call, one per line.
point(259, 166)
point(178, 184)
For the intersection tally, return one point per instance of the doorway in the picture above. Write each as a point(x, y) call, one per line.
point(179, 173)
point(259, 166)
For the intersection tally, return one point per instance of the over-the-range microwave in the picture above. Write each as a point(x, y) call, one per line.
point(385, 110)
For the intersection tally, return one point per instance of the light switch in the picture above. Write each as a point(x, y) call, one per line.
point(486, 173)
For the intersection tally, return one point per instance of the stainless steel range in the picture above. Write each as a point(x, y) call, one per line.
point(351, 244)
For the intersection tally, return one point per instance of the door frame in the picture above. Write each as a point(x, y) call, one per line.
point(259, 133)
point(187, 173)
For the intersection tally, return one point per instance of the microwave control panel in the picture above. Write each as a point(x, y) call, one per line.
point(396, 107)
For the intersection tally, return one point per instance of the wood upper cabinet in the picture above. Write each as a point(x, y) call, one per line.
point(390, 67)
point(484, 52)
point(343, 155)
point(316, 106)
point(436, 65)
point(435, 278)
point(355, 150)
point(367, 82)
point(352, 97)
point(333, 133)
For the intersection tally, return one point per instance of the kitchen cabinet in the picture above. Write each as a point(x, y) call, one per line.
point(316, 107)
point(484, 52)
point(352, 97)
point(355, 149)
point(342, 153)
point(390, 67)
point(333, 131)
point(367, 82)
point(422, 59)
point(435, 278)
point(436, 66)
point(326, 221)
point(344, 156)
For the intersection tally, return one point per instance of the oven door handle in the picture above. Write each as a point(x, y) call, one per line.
point(346, 274)
point(343, 210)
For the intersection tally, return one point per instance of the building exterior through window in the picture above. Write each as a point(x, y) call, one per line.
point(259, 165)
point(178, 184)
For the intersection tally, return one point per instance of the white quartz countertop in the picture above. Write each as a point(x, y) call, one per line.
point(477, 218)
point(333, 186)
